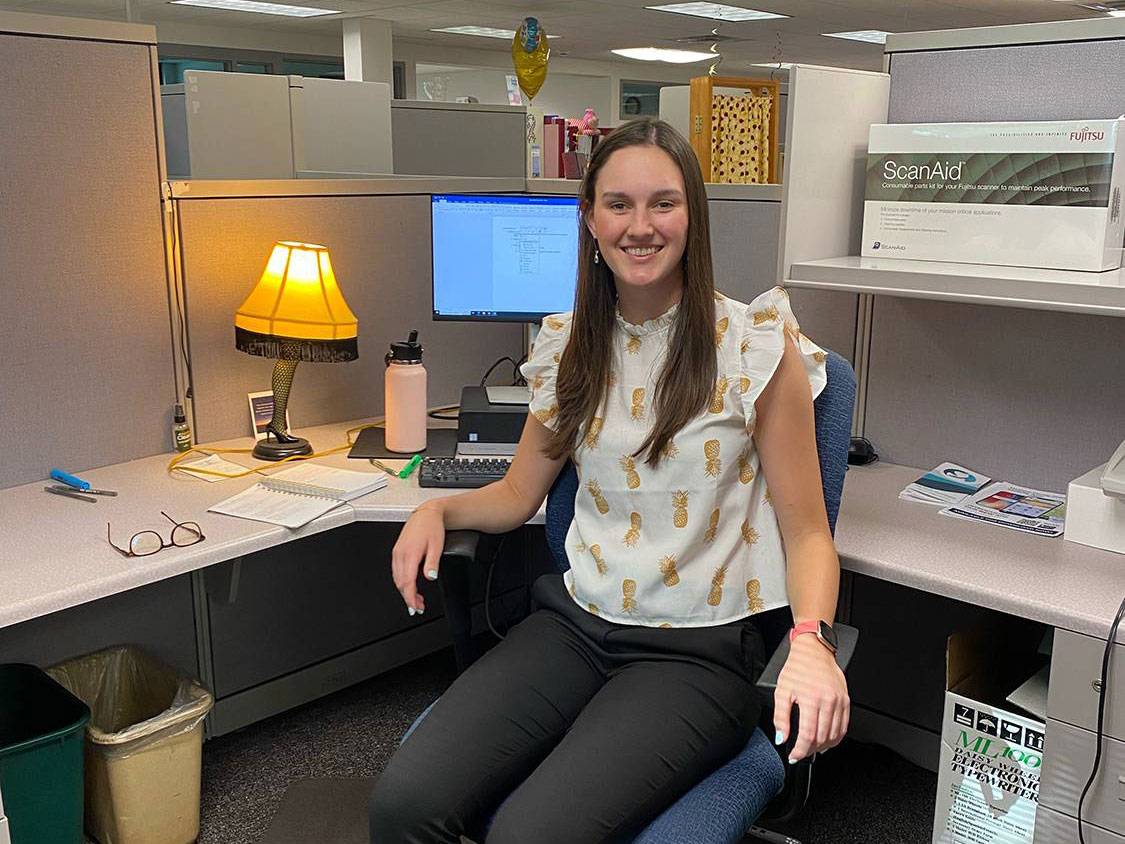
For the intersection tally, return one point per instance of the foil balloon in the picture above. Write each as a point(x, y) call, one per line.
point(529, 55)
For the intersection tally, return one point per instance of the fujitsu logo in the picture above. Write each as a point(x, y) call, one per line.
point(1086, 134)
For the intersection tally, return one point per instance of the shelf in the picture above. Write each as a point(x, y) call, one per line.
point(983, 284)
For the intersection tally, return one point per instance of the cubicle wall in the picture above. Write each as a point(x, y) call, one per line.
point(456, 139)
point(1028, 396)
point(380, 248)
point(1062, 80)
point(744, 249)
point(1033, 397)
point(81, 253)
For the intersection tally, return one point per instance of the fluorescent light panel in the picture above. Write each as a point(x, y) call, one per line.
point(716, 11)
point(659, 54)
point(260, 8)
point(871, 36)
point(775, 65)
point(482, 31)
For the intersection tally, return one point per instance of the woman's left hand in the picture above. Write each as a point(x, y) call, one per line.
point(813, 681)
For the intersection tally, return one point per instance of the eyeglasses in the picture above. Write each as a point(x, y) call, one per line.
point(148, 542)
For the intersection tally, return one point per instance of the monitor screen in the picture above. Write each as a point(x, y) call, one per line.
point(503, 258)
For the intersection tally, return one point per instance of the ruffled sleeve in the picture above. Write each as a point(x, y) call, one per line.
point(542, 367)
point(768, 318)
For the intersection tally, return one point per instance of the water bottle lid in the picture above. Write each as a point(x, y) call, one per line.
point(406, 351)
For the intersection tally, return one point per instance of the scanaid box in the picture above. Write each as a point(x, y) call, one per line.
point(1017, 194)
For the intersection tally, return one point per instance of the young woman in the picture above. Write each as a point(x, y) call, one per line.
point(689, 418)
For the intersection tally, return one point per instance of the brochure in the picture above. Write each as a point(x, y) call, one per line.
point(944, 485)
point(1016, 507)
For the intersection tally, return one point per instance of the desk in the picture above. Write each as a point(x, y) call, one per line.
point(55, 556)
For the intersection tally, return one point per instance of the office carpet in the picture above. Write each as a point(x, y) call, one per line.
point(861, 794)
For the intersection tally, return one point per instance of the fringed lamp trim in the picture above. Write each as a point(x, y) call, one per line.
point(291, 348)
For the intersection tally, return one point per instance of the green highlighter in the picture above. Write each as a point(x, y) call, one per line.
point(410, 466)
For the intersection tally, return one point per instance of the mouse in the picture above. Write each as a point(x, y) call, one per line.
point(861, 452)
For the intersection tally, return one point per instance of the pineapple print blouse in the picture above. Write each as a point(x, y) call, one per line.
point(693, 542)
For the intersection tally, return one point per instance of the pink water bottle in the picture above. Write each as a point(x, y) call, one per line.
point(405, 396)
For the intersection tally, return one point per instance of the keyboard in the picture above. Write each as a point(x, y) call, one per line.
point(461, 472)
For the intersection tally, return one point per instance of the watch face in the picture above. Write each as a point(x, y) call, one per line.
point(828, 634)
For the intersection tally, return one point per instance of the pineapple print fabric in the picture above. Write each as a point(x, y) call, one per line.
point(692, 542)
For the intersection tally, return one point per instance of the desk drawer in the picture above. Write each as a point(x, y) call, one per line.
point(1076, 664)
point(1053, 827)
point(1068, 756)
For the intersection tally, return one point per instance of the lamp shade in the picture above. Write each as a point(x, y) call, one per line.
point(296, 311)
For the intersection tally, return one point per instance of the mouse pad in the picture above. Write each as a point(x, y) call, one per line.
point(371, 442)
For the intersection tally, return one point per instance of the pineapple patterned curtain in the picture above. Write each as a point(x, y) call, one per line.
point(740, 149)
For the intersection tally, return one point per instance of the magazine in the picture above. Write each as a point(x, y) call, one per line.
point(1015, 507)
point(944, 485)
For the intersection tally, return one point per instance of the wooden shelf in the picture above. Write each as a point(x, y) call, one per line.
point(983, 284)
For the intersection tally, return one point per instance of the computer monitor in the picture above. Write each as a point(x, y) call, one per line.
point(503, 258)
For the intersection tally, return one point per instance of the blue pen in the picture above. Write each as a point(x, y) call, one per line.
point(78, 483)
point(69, 480)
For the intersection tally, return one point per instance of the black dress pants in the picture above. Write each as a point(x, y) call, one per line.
point(572, 730)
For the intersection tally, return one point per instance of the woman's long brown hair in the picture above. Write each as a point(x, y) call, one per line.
point(686, 383)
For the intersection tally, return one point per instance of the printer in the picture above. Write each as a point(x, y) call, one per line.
point(1095, 506)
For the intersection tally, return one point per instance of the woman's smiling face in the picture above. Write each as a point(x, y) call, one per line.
point(640, 218)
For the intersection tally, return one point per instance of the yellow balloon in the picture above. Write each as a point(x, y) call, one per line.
point(531, 67)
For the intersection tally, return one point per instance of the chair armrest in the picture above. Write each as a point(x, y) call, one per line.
point(846, 637)
point(798, 778)
point(461, 543)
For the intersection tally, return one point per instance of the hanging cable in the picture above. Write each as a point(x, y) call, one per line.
point(1103, 692)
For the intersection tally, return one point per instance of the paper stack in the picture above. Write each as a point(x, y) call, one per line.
point(944, 485)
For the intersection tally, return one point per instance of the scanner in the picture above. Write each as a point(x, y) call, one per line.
point(488, 429)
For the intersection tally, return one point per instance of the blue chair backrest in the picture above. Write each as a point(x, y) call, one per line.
point(833, 418)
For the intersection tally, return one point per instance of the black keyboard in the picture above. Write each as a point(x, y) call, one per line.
point(461, 472)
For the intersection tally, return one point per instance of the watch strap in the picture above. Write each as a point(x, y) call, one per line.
point(804, 627)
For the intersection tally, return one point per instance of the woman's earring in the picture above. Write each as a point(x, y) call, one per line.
point(597, 256)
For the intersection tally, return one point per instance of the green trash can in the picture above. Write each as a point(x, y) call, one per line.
point(41, 741)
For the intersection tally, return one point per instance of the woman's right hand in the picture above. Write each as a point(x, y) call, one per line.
point(421, 540)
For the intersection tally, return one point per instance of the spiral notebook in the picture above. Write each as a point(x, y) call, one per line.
point(296, 496)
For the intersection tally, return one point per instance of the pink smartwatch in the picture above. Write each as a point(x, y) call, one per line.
point(822, 629)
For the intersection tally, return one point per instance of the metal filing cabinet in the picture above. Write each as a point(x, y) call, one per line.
point(1072, 716)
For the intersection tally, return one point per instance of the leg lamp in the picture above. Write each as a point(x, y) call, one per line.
point(296, 312)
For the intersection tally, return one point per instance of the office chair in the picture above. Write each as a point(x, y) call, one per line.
point(756, 785)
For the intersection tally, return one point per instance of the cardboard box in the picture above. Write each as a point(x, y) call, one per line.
point(1092, 517)
point(1018, 194)
point(991, 754)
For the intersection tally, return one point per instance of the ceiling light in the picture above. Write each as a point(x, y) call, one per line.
point(261, 8)
point(718, 11)
point(775, 65)
point(658, 54)
point(872, 36)
point(482, 31)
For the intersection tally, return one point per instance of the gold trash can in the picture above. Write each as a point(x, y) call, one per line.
point(144, 745)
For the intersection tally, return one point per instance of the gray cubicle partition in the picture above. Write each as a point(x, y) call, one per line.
point(1033, 397)
point(1028, 396)
point(380, 249)
point(458, 139)
point(81, 249)
point(1059, 80)
point(744, 244)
